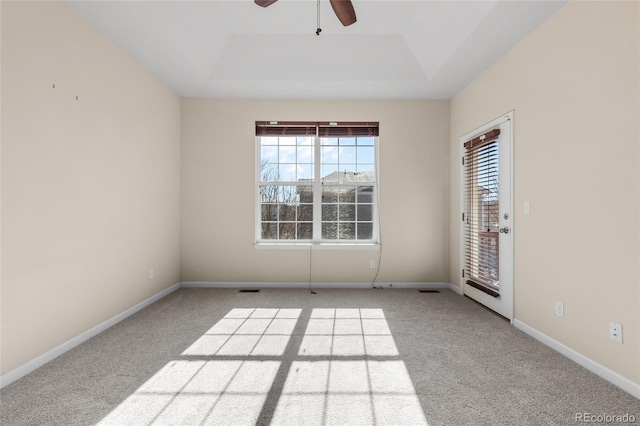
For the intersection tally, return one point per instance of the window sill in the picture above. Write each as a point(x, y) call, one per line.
point(316, 246)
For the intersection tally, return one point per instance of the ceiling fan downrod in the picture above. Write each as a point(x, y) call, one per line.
point(318, 30)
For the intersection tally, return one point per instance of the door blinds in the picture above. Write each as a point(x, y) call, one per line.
point(481, 216)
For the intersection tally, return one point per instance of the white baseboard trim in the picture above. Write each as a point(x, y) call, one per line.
point(598, 369)
point(315, 285)
point(41, 360)
point(456, 289)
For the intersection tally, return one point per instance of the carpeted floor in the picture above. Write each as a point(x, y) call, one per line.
point(286, 356)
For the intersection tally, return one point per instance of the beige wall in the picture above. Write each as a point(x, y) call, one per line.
point(218, 193)
point(574, 86)
point(90, 187)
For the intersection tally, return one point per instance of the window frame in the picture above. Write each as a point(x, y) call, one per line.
point(317, 188)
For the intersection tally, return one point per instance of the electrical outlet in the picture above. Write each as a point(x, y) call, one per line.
point(559, 309)
point(615, 331)
point(372, 264)
point(152, 274)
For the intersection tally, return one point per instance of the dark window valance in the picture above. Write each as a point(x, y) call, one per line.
point(483, 139)
point(322, 129)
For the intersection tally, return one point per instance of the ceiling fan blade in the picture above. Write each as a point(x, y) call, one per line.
point(265, 3)
point(344, 11)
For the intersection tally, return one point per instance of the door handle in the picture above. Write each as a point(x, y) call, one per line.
point(505, 230)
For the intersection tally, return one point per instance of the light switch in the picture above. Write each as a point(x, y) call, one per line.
point(527, 207)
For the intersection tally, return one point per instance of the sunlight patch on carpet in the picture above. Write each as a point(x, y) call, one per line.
point(347, 332)
point(345, 369)
point(248, 332)
point(199, 392)
point(335, 391)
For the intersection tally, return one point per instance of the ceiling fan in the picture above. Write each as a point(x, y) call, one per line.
point(343, 8)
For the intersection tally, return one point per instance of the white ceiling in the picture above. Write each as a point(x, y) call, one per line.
point(418, 49)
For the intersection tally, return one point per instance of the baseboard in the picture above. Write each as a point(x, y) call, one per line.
point(35, 363)
point(598, 369)
point(315, 285)
point(456, 289)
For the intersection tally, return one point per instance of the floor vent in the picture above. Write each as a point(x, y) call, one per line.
point(429, 291)
point(247, 290)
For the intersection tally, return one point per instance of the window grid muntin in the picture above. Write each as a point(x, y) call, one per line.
point(286, 212)
point(350, 172)
point(355, 225)
point(287, 152)
point(346, 215)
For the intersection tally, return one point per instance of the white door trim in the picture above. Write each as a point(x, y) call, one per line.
point(505, 305)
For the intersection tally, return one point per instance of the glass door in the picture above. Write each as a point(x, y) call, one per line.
point(486, 221)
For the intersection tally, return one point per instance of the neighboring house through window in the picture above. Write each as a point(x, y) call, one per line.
point(316, 182)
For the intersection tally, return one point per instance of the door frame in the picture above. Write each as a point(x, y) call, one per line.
point(505, 305)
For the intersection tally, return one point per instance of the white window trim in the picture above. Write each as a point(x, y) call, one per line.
point(321, 244)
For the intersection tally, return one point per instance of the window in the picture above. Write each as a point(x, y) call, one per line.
point(482, 211)
point(316, 182)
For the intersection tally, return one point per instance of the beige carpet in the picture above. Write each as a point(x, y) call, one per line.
point(289, 357)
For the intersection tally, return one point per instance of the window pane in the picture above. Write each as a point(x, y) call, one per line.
point(330, 212)
point(305, 212)
point(269, 154)
point(305, 171)
point(347, 212)
point(287, 231)
point(287, 173)
point(288, 194)
point(365, 231)
point(365, 194)
point(347, 231)
point(305, 154)
point(305, 194)
point(330, 194)
point(268, 140)
point(365, 212)
point(348, 194)
point(347, 154)
point(268, 172)
point(269, 231)
point(330, 231)
point(305, 231)
point(365, 155)
point(269, 193)
point(329, 154)
point(269, 212)
point(287, 154)
point(304, 140)
point(287, 212)
point(329, 141)
point(330, 173)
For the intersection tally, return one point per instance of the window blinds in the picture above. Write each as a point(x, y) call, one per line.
point(481, 214)
point(323, 129)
